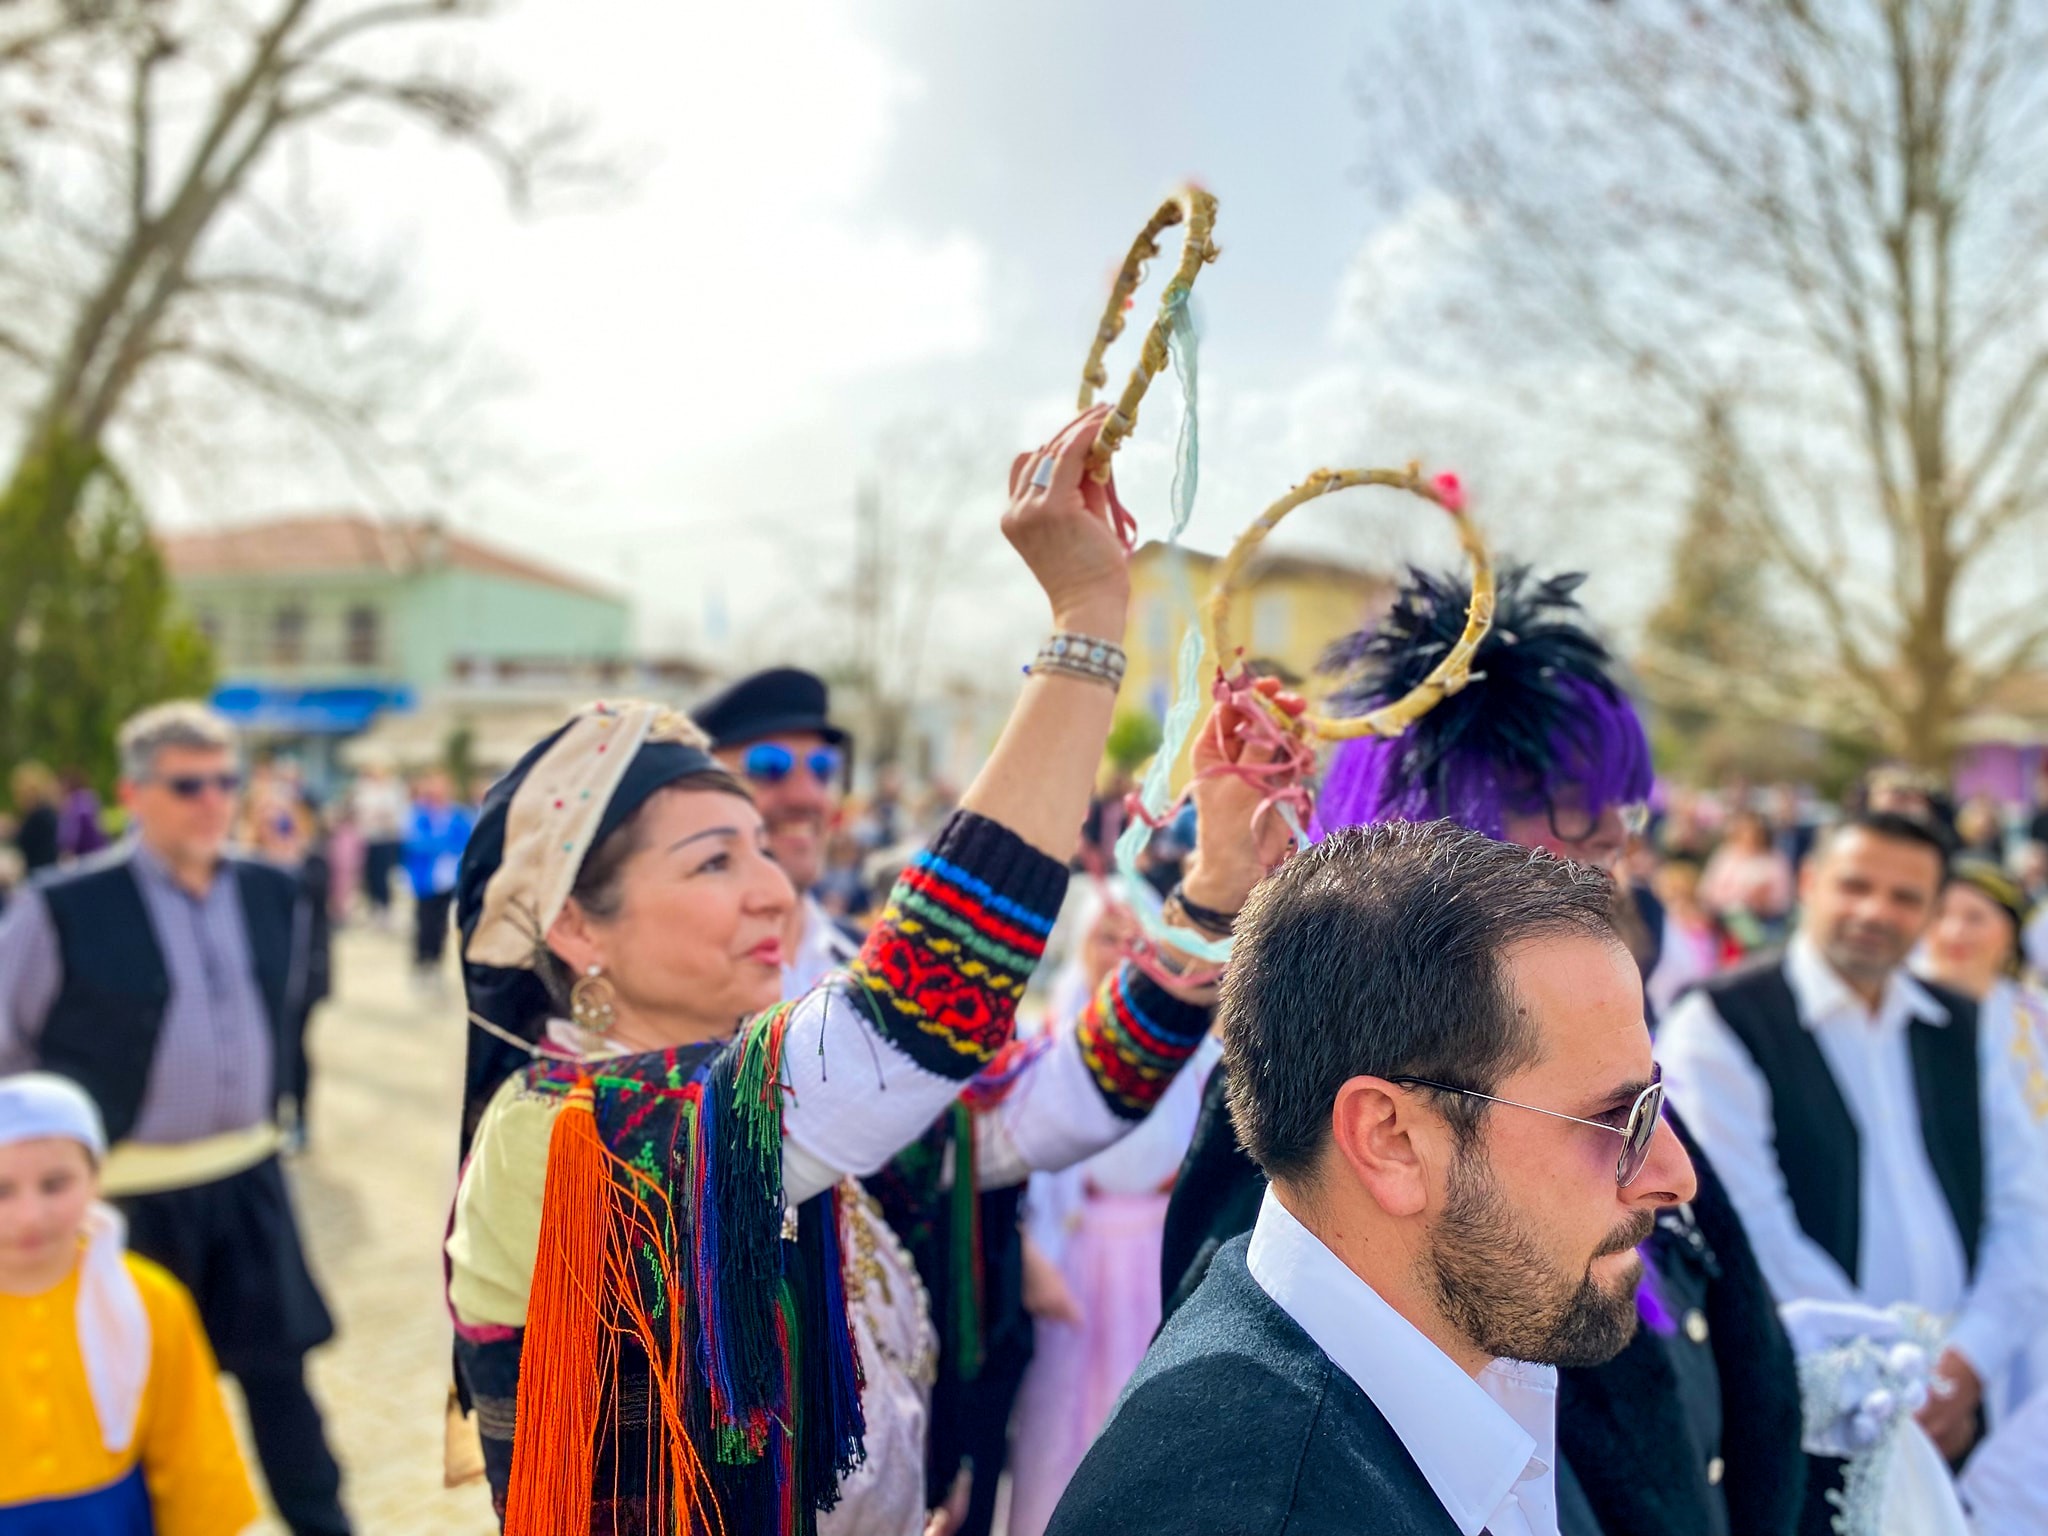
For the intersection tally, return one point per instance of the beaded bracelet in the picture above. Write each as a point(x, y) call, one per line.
point(1207, 919)
point(1081, 656)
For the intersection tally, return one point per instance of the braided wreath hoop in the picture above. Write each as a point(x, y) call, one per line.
point(1449, 674)
point(1197, 209)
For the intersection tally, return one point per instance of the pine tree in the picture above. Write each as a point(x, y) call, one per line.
point(90, 629)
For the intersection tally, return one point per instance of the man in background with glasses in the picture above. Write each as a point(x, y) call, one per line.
point(1438, 1059)
point(163, 976)
point(774, 730)
point(1693, 1429)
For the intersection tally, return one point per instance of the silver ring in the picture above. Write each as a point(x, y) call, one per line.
point(1041, 477)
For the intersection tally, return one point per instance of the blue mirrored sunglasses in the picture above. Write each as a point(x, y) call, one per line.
point(769, 762)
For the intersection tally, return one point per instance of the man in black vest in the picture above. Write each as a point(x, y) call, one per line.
point(1876, 1154)
point(1438, 1057)
point(163, 976)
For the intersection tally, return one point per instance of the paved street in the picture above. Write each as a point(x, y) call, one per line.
point(373, 1197)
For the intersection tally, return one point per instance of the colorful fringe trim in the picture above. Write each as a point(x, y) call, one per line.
point(683, 1368)
point(1133, 1037)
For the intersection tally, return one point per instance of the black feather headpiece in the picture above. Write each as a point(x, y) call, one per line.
point(1541, 704)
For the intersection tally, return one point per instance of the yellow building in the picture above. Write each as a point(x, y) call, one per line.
point(1287, 610)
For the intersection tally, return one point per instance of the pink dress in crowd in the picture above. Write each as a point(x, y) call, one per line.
point(345, 867)
point(1760, 884)
point(1102, 1223)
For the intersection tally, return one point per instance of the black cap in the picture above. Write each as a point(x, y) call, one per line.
point(779, 702)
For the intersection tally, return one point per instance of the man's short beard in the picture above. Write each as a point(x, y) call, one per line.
point(1854, 967)
point(1493, 1284)
point(815, 825)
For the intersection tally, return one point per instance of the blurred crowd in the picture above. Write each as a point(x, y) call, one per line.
point(1713, 876)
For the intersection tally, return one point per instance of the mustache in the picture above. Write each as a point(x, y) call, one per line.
point(1632, 1233)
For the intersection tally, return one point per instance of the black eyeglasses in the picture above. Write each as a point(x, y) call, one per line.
point(1576, 824)
point(769, 762)
point(190, 786)
point(1636, 1135)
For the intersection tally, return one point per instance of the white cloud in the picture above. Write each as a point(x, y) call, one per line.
point(1399, 267)
point(745, 276)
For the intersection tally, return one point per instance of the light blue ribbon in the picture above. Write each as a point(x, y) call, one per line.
point(1156, 794)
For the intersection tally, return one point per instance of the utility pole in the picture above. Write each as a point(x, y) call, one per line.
point(869, 604)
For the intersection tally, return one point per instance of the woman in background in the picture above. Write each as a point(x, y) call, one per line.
point(1974, 948)
point(1748, 883)
point(36, 829)
point(1092, 1245)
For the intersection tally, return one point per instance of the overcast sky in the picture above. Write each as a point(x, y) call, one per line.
point(852, 214)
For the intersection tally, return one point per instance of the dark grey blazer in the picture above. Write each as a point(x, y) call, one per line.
point(1237, 1424)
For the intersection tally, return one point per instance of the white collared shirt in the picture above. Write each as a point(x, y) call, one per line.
point(1487, 1446)
point(824, 948)
point(1909, 1249)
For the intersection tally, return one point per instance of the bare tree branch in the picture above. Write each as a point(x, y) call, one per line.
point(1834, 218)
point(224, 261)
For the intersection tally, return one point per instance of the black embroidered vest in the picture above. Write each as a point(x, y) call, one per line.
point(1819, 1151)
point(102, 1030)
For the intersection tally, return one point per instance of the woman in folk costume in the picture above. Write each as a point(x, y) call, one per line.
point(1094, 1232)
point(111, 1418)
point(1974, 948)
point(1693, 1430)
point(662, 1272)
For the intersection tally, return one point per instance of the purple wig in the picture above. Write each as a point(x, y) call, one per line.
point(1541, 715)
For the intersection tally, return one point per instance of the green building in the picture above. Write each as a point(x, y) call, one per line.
point(329, 626)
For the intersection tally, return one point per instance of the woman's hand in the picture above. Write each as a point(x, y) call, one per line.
point(952, 1514)
point(1234, 847)
point(1950, 1414)
point(1038, 780)
point(1047, 1296)
point(1066, 532)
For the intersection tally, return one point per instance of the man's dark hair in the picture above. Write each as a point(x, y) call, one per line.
point(1898, 827)
point(1379, 953)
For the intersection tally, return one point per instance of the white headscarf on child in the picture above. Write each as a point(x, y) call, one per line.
point(113, 1328)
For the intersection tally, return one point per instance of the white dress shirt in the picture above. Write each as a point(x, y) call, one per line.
point(824, 948)
point(1486, 1445)
point(1909, 1249)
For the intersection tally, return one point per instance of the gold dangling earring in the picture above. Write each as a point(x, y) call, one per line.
point(591, 1003)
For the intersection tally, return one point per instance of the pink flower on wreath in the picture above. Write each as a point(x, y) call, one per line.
point(1449, 492)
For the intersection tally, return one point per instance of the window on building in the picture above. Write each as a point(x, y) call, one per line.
point(364, 636)
point(288, 636)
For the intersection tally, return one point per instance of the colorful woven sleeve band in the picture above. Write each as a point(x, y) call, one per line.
point(963, 929)
point(1134, 1035)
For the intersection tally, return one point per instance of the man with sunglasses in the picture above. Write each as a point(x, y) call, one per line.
point(774, 729)
point(1438, 1059)
point(164, 975)
point(1543, 749)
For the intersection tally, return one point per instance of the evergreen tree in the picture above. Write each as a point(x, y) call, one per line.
point(1714, 630)
point(90, 629)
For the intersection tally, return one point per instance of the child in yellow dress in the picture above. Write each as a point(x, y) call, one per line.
point(111, 1416)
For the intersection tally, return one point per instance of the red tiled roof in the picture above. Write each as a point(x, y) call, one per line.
point(333, 543)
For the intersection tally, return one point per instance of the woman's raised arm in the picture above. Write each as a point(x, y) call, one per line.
point(1038, 779)
point(940, 976)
